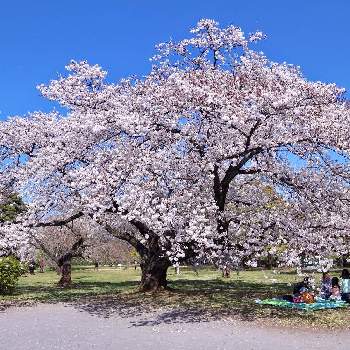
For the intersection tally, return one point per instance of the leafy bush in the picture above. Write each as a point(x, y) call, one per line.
point(10, 270)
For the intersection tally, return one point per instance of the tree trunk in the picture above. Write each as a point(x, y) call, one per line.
point(65, 263)
point(269, 262)
point(66, 275)
point(154, 272)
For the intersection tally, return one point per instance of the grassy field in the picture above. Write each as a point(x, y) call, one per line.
point(196, 297)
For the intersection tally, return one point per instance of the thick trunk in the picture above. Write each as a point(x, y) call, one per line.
point(154, 272)
point(269, 262)
point(65, 263)
point(66, 274)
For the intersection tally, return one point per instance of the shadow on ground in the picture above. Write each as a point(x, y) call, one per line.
point(192, 301)
point(188, 301)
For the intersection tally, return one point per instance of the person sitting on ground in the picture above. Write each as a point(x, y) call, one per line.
point(335, 291)
point(326, 286)
point(302, 287)
point(302, 290)
point(345, 285)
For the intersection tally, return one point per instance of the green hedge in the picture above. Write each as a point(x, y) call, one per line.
point(10, 270)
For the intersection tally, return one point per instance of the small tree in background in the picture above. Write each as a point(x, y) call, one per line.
point(108, 251)
point(81, 238)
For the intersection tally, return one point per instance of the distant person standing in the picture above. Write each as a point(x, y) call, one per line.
point(42, 265)
point(31, 267)
point(96, 266)
point(195, 267)
point(326, 286)
point(226, 272)
point(345, 285)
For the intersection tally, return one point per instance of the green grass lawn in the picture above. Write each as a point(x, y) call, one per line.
point(203, 296)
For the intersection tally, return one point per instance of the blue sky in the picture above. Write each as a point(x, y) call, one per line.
point(39, 37)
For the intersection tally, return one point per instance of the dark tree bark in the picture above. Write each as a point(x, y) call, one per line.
point(269, 261)
point(66, 274)
point(154, 273)
point(65, 263)
point(154, 265)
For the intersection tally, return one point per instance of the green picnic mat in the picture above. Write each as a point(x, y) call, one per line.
point(319, 305)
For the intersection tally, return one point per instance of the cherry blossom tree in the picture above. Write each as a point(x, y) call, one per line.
point(183, 156)
point(60, 244)
point(81, 238)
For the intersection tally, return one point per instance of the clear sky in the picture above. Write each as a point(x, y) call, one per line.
point(39, 37)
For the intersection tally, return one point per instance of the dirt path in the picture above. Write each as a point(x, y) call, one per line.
point(60, 326)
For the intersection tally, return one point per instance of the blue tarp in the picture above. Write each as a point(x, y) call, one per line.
point(320, 304)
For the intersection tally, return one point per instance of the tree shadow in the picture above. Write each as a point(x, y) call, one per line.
point(25, 295)
point(193, 301)
point(188, 301)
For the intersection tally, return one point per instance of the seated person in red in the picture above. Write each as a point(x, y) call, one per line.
point(299, 289)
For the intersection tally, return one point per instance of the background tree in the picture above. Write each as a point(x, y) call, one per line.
point(108, 251)
point(60, 245)
point(81, 238)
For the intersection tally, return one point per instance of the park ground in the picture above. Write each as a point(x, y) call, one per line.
point(193, 298)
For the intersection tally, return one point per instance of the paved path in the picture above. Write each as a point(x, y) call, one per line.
point(59, 326)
